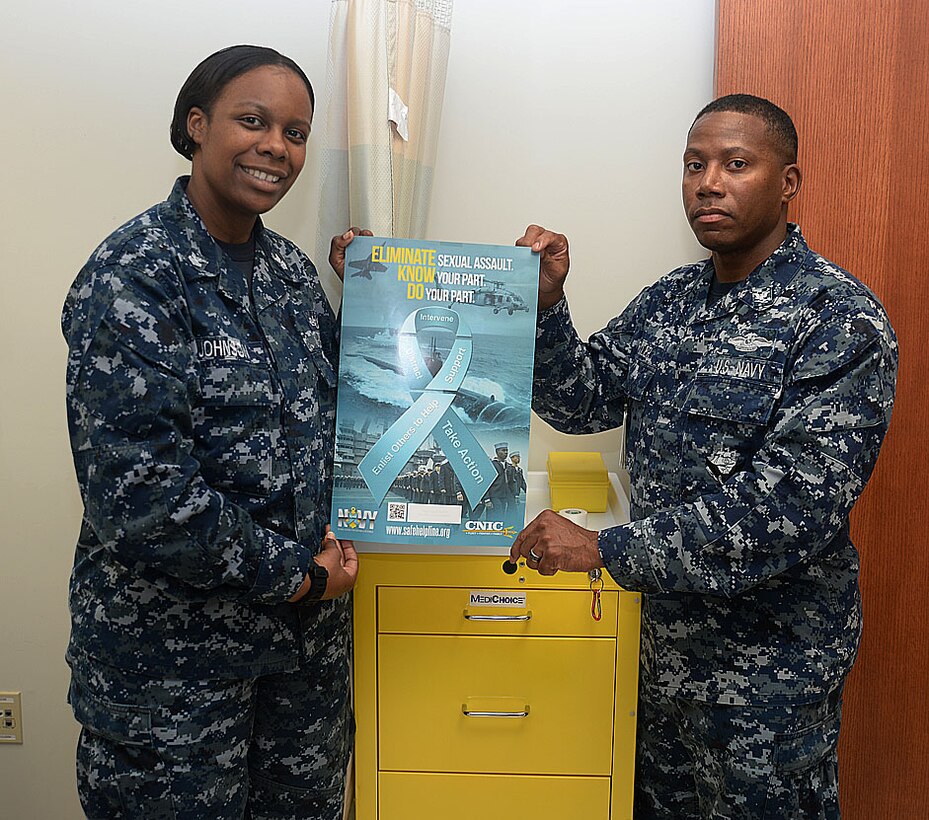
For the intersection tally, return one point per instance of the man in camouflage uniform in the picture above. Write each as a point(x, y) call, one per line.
point(756, 388)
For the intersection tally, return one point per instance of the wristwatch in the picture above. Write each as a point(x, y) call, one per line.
point(319, 580)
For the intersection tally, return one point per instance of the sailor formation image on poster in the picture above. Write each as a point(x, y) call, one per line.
point(435, 389)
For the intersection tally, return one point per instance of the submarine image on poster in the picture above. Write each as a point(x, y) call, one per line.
point(365, 267)
point(497, 297)
point(480, 408)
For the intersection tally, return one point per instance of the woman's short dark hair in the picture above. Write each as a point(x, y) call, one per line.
point(207, 81)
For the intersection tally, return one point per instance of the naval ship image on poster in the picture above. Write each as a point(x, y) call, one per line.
point(435, 389)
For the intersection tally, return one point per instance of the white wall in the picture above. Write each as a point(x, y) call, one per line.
point(573, 115)
point(567, 113)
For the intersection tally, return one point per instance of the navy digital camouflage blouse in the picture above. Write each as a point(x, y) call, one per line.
point(202, 421)
point(752, 427)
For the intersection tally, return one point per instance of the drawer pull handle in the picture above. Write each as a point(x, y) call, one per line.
point(525, 617)
point(469, 713)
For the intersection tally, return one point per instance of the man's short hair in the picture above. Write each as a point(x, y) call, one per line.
point(777, 120)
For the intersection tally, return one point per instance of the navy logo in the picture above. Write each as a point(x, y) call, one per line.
point(357, 519)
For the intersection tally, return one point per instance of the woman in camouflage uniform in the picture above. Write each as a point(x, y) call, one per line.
point(210, 625)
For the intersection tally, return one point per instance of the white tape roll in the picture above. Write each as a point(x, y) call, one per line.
point(576, 515)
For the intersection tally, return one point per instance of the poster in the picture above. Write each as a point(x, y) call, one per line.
point(435, 389)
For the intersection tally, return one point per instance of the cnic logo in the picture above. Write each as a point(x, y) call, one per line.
point(488, 528)
point(355, 519)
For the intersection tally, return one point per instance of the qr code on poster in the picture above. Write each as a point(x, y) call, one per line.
point(396, 511)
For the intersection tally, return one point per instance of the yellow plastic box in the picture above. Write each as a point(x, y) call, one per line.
point(578, 480)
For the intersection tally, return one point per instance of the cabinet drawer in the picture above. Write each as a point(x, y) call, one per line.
point(490, 797)
point(540, 706)
point(470, 611)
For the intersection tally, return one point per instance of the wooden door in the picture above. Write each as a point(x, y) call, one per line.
point(854, 75)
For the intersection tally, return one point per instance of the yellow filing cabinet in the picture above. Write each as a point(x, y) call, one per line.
point(480, 694)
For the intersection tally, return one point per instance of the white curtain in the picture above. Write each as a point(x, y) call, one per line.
point(386, 82)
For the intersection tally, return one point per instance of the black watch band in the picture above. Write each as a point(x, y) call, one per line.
point(319, 580)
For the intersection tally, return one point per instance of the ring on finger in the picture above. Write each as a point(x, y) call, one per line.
point(533, 556)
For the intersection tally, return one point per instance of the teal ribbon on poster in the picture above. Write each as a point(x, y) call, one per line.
point(431, 412)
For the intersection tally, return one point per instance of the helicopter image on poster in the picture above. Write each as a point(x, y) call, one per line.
point(495, 295)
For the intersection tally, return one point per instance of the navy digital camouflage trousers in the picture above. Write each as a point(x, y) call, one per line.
point(275, 746)
point(704, 760)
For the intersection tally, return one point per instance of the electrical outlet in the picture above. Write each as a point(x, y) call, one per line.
point(11, 717)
